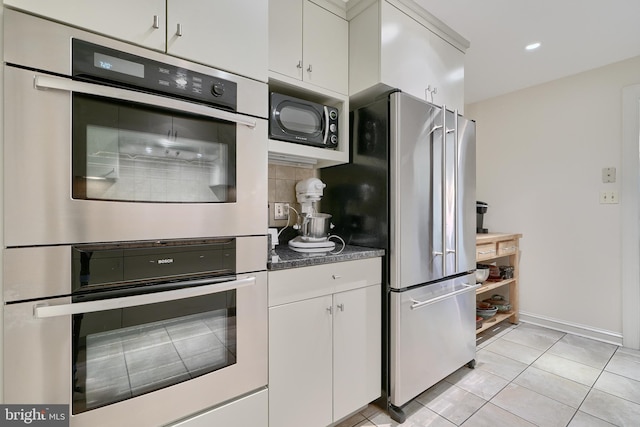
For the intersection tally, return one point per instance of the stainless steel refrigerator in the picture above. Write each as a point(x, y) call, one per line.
point(410, 189)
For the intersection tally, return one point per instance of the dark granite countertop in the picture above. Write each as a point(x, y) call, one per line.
point(288, 258)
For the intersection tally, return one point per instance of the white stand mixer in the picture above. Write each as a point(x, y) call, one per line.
point(313, 226)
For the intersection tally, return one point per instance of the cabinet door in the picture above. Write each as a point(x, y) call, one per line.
point(247, 411)
point(405, 46)
point(131, 21)
point(325, 48)
point(300, 351)
point(413, 59)
point(447, 67)
point(357, 349)
point(227, 34)
point(285, 37)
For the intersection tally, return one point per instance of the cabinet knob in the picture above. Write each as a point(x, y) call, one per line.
point(179, 30)
point(330, 309)
point(156, 21)
point(299, 64)
point(309, 69)
point(340, 307)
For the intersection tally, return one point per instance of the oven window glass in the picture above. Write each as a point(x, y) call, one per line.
point(128, 152)
point(123, 353)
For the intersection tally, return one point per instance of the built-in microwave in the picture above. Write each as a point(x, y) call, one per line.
point(305, 122)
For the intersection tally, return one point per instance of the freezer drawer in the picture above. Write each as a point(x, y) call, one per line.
point(432, 335)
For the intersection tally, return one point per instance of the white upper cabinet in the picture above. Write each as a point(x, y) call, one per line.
point(142, 22)
point(308, 43)
point(392, 46)
point(227, 34)
point(285, 37)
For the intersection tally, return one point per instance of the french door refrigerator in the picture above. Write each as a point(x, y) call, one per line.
point(410, 189)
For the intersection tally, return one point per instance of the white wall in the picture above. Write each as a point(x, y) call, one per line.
point(541, 152)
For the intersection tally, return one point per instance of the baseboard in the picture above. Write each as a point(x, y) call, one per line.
point(573, 328)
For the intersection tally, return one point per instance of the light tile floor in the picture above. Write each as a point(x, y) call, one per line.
point(526, 375)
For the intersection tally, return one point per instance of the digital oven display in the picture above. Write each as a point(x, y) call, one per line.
point(118, 65)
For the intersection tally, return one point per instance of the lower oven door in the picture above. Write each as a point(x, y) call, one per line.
point(140, 360)
point(432, 335)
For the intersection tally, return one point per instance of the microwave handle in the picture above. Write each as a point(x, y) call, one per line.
point(41, 311)
point(58, 83)
point(326, 127)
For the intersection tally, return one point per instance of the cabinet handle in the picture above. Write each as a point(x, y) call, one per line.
point(336, 277)
point(156, 21)
point(340, 307)
point(512, 248)
point(299, 64)
point(330, 309)
point(451, 251)
point(437, 253)
point(179, 30)
point(309, 68)
point(487, 252)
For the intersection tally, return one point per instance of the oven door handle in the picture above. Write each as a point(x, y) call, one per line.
point(41, 311)
point(58, 83)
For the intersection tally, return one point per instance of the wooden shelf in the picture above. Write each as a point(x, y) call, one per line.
point(501, 248)
point(492, 321)
point(488, 286)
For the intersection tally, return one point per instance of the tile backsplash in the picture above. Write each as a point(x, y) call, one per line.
point(282, 184)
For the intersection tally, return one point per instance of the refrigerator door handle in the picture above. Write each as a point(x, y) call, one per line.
point(435, 128)
point(443, 183)
point(455, 189)
point(419, 304)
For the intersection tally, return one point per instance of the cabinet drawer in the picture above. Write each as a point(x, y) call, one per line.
point(485, 251)
point(507, 247)
point(296, 284)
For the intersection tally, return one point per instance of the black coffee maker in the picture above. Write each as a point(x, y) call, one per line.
point(481, 209)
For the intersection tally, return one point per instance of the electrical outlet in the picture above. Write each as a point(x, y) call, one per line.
point(609, 197)
point(280, 210)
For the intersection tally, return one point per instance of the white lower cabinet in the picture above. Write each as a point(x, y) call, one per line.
point(247, 411)
point(324, 342)
point(300, 367)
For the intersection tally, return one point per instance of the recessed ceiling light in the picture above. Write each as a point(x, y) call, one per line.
point(532, 46)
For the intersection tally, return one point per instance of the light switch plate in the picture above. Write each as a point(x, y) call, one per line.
point(608, 175)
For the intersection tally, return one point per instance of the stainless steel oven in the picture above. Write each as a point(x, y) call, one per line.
point(135, 333)
point(135, 219)
point(105, 141)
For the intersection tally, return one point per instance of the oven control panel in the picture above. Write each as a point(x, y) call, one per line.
point(128, 264)
point(94, 62)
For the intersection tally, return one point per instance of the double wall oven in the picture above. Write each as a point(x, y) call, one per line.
point(135, 212)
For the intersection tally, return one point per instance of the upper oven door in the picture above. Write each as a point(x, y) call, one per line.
point(89, 163)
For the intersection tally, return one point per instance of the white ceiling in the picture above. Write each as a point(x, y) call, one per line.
point(576, 35)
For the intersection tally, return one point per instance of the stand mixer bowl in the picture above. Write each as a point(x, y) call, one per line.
point(316, 227)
